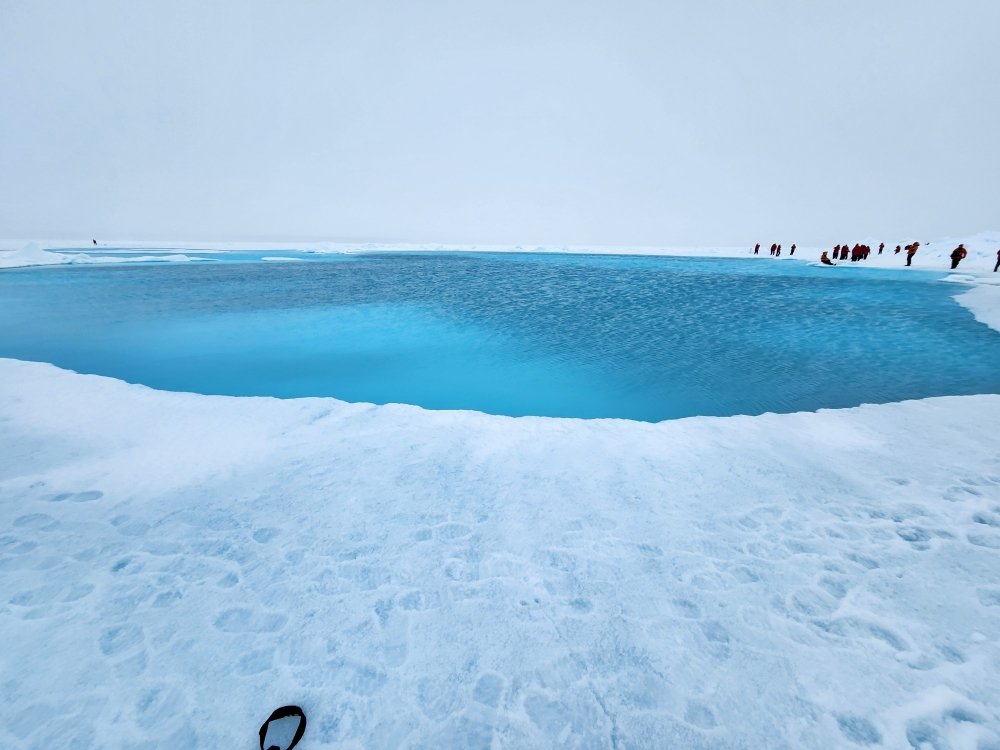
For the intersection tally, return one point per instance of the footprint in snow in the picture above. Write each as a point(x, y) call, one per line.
point(37, 521)
point(78, 497)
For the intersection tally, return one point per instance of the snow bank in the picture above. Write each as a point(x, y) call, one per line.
point(173, 567)
point(32, 255)
point(983, 300)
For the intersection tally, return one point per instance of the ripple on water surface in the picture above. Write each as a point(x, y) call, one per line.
point(552, 335)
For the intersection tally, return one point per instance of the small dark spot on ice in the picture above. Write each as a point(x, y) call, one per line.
point(859, 730)
point(989, 597)
point(86, 497)
point(715, 632)
point(989, 541)
point(952, 655)
point(687, 608)
point(913, 534)
point(865, 562)
point(263, 536)
point(118, 639)
point(41, 521)
point(699, 715)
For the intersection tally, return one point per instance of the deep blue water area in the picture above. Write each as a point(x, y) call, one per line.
point(555, 335)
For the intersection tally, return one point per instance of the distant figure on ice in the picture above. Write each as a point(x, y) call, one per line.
point(792, 251)
point(843, 251)
point(881, 247)
point(825, 259)
point(836, 252)
point(911, 250)
point(94, 241)
point(756, 249)
point(897, 249)
point(998, 262)
point(956, 256)
point(777, 253)
point(774, 246)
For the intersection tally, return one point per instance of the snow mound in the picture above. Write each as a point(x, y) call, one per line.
point(32, 255)
point(983, 301)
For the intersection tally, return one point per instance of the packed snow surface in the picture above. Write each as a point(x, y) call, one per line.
point(175, 566)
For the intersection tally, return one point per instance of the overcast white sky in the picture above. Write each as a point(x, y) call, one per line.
point(619, 122)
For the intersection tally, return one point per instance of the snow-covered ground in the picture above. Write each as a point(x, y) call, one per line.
point(31, 254)
point(175, 566)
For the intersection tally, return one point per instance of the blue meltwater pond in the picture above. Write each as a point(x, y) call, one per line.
point(553, 335)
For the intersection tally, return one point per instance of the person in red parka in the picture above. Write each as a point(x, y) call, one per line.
point(956, 256)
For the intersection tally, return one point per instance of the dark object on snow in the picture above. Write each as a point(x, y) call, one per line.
point(792, 251)
point(756, 249)
point(281, 715)
point(94, 241)
point(956, 256)
point(825, 259)
point(998, 262)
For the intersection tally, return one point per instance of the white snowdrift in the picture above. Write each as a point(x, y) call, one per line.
point(32, 255)
point(175, 566)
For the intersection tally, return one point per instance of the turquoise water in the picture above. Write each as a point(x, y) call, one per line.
point(554, 335)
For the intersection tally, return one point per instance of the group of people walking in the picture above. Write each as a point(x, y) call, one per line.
point(775, 249)
point(861, 252)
